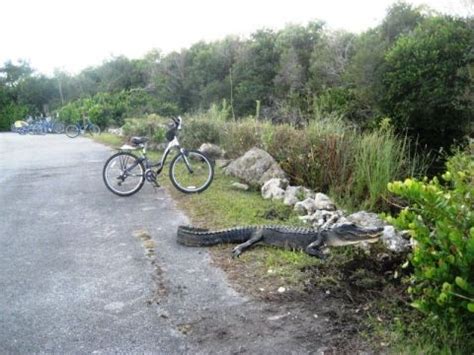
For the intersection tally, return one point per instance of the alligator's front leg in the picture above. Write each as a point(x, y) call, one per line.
point(254, 238)
point(314, 248)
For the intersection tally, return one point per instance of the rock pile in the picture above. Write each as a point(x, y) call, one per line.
point(258, 168)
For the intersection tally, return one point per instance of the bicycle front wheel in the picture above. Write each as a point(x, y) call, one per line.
point(58, 127)
point(123, 174)
point(191, 172)
point(72, 131)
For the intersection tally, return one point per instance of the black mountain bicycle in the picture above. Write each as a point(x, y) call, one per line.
point(125, 173)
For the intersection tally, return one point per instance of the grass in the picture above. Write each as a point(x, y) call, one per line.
point(110, 140)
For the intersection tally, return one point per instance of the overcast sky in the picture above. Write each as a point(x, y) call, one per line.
point(73, 34)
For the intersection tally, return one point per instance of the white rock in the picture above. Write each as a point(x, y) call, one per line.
point(212, 151)
point(295, 194)
point(255, 167)
point(394, 241)
point(306, 207)
point(323, 202)
point(281, 289)
point(274, 189)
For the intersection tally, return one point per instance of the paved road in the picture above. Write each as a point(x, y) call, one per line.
point(74, 278)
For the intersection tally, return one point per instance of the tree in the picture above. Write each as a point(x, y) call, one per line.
point(254, 72)
point(367, 65)
point(427, 84)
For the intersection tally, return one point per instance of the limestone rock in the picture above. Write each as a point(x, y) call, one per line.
point(305, 207)
point(294, 193)
point(394, 241)
point(323, 202)
point(255, 167)
point(274, 189)
point(212, 151)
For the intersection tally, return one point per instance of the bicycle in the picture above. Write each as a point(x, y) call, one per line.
point(74, 130)
point(190, 171)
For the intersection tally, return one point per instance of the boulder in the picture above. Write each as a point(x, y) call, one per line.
point(323, 202)
point(212, 151)
point(255, 167)
point(274, 189)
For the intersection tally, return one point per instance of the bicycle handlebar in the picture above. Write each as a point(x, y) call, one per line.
point(177, 121)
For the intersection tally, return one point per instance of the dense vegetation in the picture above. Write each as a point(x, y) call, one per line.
point(440, 219)
point(414, 68)
point(329, 155)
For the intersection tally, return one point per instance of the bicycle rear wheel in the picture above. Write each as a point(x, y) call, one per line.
point(94, 130)
point(191, 172)
point(123, 174)
point(72, 131)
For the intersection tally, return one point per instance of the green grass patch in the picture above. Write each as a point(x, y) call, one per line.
point(109, 139)
point(222, 206)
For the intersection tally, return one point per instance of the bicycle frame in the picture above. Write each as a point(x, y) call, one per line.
point(159, 165)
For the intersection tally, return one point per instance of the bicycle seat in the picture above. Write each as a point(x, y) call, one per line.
point(138, 140)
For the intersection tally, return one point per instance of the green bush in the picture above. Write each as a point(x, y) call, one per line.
point(152, 126)
point(440, 219)
point(239, 137)
point(9, 113)
point(198, 131)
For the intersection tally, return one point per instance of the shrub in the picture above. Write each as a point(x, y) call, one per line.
point(440, 219)
point(239, 137)
point(290, 147)
point(151, 126)
point(199, 131)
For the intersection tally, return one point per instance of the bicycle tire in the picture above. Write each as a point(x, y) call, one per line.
point(72, 131)
point(58, 127)
point(191, 182)
point(114, 178)
point(94, 130)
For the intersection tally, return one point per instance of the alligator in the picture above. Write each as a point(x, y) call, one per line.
point(309, 240)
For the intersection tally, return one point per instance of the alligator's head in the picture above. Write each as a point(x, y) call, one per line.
point(348, 234)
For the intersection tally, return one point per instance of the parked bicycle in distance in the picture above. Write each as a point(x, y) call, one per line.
point(37, 126)
point(190, 171)
point(73, 130)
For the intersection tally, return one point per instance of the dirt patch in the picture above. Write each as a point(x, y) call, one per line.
point(149, 246)
point(344, 292)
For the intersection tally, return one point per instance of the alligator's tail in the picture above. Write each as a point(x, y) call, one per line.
point(196, 237)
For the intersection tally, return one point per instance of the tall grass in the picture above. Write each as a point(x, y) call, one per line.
point(380, 157)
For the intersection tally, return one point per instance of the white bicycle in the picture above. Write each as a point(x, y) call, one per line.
point(190, 171)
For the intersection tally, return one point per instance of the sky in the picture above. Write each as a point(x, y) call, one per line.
point(70, 35)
